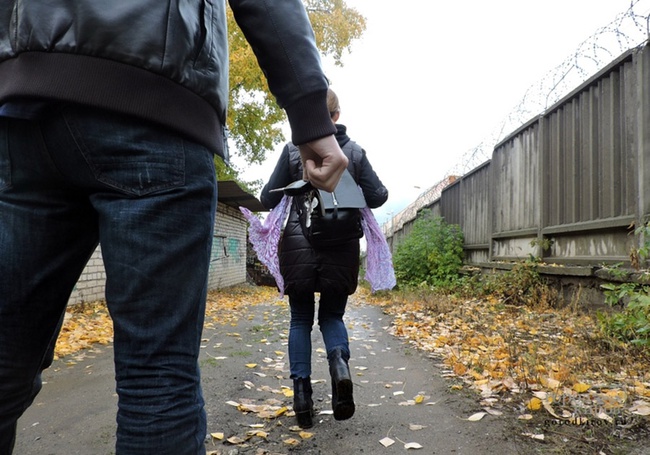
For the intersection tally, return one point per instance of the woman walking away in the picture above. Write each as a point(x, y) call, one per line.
point(332, 272)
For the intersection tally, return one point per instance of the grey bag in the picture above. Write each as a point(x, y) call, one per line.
point(330, 219)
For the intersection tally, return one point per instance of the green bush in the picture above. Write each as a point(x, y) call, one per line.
point(431, 254)
point(632, 324)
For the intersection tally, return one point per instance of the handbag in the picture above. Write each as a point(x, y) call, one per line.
point(329, 219)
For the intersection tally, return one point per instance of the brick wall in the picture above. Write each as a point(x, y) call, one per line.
point(227, 264)
point(228, 261)
point(90, 286)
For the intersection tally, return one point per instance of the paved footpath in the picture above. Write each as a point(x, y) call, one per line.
point(400, 393)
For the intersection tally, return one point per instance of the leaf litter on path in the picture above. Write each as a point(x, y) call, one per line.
point(507, 355)
point(531, 360)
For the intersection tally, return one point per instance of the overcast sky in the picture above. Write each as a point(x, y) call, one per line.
point(430, 80)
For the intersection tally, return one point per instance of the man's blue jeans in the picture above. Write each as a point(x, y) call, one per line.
point(331, 308)
point(79, 176)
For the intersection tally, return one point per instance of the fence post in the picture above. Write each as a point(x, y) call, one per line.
point(642, 60)
point(543, 203)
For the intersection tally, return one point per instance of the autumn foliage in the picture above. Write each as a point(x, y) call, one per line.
point(254, 118)
point(84, 325)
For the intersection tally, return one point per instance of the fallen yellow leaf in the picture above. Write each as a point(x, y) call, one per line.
point(550, 383)
point(281, 411)
point(580, 387)
point(460, 369)
point(235, 440)
point(534, 404)
point(259, 434)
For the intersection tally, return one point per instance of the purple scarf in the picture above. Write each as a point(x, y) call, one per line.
point(266, 238)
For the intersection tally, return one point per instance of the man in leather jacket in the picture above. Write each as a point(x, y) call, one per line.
point(110, 114)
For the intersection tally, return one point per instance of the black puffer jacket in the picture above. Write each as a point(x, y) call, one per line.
point(334, 269)
point(163, 61)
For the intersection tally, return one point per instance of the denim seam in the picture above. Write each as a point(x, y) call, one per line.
point(5, 159)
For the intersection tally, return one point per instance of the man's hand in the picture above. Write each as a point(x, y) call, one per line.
point(323, 162)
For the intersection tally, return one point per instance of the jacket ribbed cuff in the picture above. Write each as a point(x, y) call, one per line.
point(309, 118)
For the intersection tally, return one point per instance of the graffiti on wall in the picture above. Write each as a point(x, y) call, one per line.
point(225, 249)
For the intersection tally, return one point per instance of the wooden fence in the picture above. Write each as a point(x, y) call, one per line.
point(569, 186)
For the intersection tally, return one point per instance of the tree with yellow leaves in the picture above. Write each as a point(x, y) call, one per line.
point(254, 119)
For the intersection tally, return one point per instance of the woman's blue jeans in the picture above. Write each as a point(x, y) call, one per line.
point(79, 176)
point(331, 308)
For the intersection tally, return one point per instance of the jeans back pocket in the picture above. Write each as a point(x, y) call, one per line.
point(136, 158)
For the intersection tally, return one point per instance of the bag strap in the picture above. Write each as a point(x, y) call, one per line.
point(356, 152)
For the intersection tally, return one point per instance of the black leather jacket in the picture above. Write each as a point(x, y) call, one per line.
point(335, 269)
point(165, 61)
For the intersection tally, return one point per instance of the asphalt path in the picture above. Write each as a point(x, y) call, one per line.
point(404, 401)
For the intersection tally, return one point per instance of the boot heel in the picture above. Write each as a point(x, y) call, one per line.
point(344, 408)
point(303, 404)
point(304, 419)
point(342, 399)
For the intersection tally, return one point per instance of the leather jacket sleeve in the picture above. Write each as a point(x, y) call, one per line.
point(281, 36)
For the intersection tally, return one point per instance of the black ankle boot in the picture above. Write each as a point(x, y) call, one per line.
point(303, 405)
point(342, 400)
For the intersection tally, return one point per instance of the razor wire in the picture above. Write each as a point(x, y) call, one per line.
point(628, 30)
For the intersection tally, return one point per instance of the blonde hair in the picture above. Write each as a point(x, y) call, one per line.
point(332, 102)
